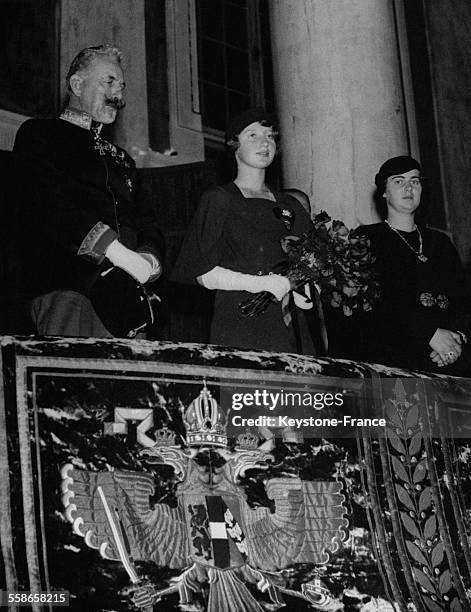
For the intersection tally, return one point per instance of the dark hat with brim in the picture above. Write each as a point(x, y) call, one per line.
point(252, 115)
point(396, 165)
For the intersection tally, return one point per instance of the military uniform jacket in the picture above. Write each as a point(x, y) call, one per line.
point(77, 195)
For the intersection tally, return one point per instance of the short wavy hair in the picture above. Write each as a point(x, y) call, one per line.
point(243, 120)
point(85, 57)
point(233, 144)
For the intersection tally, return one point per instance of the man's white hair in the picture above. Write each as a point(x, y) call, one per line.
point(84, 58)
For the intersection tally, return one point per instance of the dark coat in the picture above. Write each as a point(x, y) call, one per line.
point(416, 298)
point(77, 195)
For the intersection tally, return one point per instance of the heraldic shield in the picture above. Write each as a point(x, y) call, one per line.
point(213, 534)
point(215, 529)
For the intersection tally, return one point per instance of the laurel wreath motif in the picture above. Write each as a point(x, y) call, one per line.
point(417, 509)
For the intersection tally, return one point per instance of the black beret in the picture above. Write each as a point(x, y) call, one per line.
point(396, 165)
point(252, 115)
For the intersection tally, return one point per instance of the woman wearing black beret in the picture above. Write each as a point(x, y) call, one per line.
point(235, 241)
point(421, 321)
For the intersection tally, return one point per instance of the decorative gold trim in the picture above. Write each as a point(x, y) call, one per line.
point(77, 117)
point(88, 245)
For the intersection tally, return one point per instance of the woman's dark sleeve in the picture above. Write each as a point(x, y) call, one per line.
point(459, 291)
point(448, 266)
point(420, 328)
point(203, 247)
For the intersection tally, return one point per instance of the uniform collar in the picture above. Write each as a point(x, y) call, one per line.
point(80, 119)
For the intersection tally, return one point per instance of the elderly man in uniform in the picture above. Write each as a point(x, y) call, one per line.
point(87, 244)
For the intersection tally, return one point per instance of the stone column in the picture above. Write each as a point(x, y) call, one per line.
point(450, 58)
point(87, 23)
point(340, 98)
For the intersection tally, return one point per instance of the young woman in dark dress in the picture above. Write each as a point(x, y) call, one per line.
point(421, 321)
point(235, 240)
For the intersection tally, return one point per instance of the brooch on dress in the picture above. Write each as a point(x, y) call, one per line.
point(286, 215)
point(428, 300)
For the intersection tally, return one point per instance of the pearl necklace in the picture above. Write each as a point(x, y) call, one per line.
point(420, 256)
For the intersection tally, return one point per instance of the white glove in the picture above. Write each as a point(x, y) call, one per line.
point(276, 284)
point(229, 280)
point(129, 261)
point(156, 269)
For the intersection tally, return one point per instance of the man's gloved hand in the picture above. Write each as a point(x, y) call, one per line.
point(131, 262)
point(155, 264)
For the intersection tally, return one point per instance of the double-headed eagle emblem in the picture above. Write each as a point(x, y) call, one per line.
point(213, 535)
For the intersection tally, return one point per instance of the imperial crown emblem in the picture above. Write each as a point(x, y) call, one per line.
point(212, 534)
point(205, 422)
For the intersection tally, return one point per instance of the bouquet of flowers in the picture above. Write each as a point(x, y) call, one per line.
point(333, 257)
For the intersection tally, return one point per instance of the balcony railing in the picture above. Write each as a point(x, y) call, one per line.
point(396, 527)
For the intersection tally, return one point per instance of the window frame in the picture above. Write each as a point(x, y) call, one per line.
point(257, 88)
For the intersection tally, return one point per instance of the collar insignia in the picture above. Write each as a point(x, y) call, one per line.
point(80, 119)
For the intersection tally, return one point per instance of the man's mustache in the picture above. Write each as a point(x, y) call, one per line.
point(115, 103)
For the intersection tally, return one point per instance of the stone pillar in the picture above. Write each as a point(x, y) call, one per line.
point(450, 58)
point(87, 23)
point(340, 97)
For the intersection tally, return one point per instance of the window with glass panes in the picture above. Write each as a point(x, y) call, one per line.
point(235, 69)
